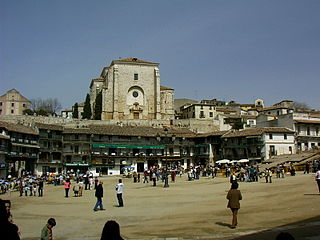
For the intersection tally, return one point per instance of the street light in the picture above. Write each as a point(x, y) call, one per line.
point(166, 142)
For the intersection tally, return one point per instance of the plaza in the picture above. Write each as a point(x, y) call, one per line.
point(186, 210)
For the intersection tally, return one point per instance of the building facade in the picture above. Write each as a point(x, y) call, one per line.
point(13, 103)
point(258, 144)
point(131, 90)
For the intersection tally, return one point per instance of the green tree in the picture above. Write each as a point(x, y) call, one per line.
point(238, 125)
point(98, 106)
point(28, 112)
point(75, 111)
point(87, 113)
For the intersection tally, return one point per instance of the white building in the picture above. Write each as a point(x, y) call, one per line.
point(258, 143)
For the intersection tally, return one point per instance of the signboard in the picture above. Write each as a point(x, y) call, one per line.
point(77, 164)
point(128, 146)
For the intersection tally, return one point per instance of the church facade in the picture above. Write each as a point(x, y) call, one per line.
point(131, 90)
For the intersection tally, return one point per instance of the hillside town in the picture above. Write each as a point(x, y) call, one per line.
point(142, 126)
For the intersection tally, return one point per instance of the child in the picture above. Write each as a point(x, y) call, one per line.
point(46, 233)
point(34, 189)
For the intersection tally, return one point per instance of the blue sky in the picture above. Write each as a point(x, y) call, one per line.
point(229, 50)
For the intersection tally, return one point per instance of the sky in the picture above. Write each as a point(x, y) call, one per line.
point(228, 50)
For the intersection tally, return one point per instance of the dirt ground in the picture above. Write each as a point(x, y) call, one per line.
point(185, 210)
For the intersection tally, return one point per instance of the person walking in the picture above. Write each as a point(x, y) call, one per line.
point(67, 185)
point(234, 196)
point(99, 196)
point(119, 190)
point(46, 232)
point(40, 188)
point(154, 179)
point(317, 178)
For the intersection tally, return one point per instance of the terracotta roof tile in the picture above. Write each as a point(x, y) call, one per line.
point(308, 121)
point(256, 132)
point(211, 134)
point(131, 60)
point(128, 131)
point(165, 88)
point(18, 128)
point(49, 126)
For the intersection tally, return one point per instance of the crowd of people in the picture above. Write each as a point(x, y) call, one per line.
point(29, 185)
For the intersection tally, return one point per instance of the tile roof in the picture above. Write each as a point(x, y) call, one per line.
point(272, 108)
point(4, 136)
point(128, 131)
point(11, 127)
point(22, 98)
point(211, 134)
point(221, 109)
point(308, 121)
point(132, 60)
point(165, 88)
point(256, 132)
point(49, 126)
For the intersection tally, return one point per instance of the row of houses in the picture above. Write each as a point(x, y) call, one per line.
point(106, 149)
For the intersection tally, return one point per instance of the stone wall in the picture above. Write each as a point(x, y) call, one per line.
point(197, 126)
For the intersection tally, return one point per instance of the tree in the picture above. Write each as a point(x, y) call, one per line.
point(300, 105)
point(75, 111)
point(98, 106)
point(45, 106)
point(28, 112)
point(237, 125)
point(87, 108)
point(54, 105)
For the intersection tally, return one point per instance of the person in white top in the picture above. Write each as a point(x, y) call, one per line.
point(317, 177)
point(119, 190)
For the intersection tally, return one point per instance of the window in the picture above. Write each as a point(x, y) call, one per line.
point(24, 105)
point(285, 136)
point(135, 94)
point(12, 111)
point(135, 115)
point(211, 114)
point(136, 76)
point(290, 149)
point(12, 104)
point(308, 130)
point(0, 103)
point(270, 136)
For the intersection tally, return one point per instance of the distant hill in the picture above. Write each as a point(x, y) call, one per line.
point(182, 101)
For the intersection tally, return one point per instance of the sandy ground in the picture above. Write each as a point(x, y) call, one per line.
point(185, 210)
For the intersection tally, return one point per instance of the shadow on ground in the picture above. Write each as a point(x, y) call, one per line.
point(308, 229)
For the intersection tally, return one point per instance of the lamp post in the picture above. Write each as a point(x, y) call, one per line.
point(166, 182)
point(166, 142)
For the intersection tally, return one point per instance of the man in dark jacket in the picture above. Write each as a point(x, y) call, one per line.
point(99, 196)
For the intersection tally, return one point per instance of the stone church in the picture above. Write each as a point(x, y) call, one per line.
point(131, 90)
